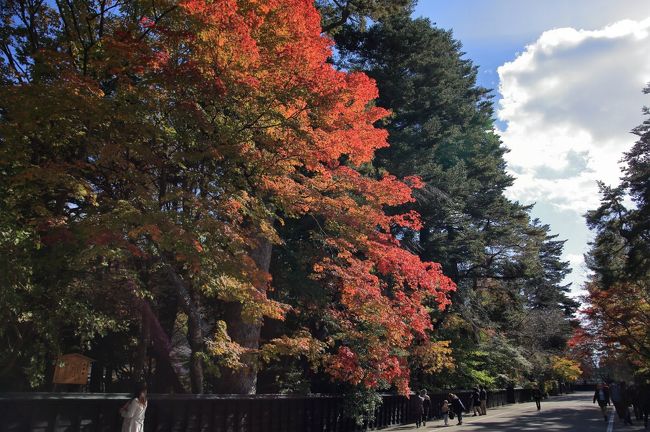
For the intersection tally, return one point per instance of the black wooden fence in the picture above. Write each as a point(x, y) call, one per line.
point(584, 386)
point(95, 412)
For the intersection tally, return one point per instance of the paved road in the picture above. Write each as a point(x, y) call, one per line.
point(574, 412)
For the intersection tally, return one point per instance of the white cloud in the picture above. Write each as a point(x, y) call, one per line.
point(569, 102)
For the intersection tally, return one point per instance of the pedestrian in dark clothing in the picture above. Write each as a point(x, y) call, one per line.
point(537, 397)
point(635, 397)
point(644, 402)
point(418, 409)
point(476, 401)
point(617, 399)
point(457, 407)
point(601, 395)
point(483, 397)
point(426, 406)
point(626, 401)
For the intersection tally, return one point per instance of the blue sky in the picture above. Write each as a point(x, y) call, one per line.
point(493, 31)
point(567, 77)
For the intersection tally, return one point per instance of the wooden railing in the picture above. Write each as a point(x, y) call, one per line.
point(99, 412)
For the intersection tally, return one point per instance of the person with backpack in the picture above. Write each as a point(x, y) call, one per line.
point(483, 398)
point(476, 402)
point(602, 397)
point(457, 407)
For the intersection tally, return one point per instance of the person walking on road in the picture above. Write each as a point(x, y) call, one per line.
point(457, 407)
point(426, 406)
point(476, 402)
point(626, 401)
point(537, 397)
point(635, 395)
point(418, 409)
point(644, 398)
point(601, 395)
point(616, 397)
point(444, 409)
point(483, 398)
point(620, 398)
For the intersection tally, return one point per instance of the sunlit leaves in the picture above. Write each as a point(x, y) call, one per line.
point(168, 141)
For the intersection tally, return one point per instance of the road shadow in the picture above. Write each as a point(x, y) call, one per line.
point(574, 412)
point(555, 419)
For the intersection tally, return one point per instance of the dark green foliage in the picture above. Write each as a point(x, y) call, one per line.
point(337, 14)
point(619, 258)
point(441, 130)
point(544, 285)
point(621, 249)
point(637, 181)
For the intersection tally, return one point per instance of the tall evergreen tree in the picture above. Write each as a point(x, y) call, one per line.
point(544, 285)
point(337, 14)
point(441, 129)
point(619, 288)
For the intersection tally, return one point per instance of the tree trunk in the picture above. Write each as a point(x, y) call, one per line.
point(166, 377)
point(160, 341)
point(96, 375)
point(246, 334)
point(108, 379)
point(196, 340)
point(450, 270)
point(143, 345)
point(267, 378)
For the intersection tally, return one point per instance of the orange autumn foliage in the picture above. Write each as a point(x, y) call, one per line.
point(315, 117)
point(222, 119)
point(619, 319)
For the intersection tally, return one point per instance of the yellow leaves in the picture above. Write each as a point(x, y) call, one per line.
point(565, 369)
point(229, 354)
point(269, 232)
point(301, 344)
point(435, 356)
point(24, 317)
point(255, 304)
point(226, 352)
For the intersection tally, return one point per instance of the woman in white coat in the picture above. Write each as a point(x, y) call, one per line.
point(133, 411)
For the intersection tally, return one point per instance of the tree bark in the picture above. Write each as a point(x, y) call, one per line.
point(196, 339)
point(161, 345)
point(246, 334)
point(143, 345)
point(451, 271)
point(96, 375)
point(166, 377)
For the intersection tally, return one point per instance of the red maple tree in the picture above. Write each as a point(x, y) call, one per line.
point(196, 127)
